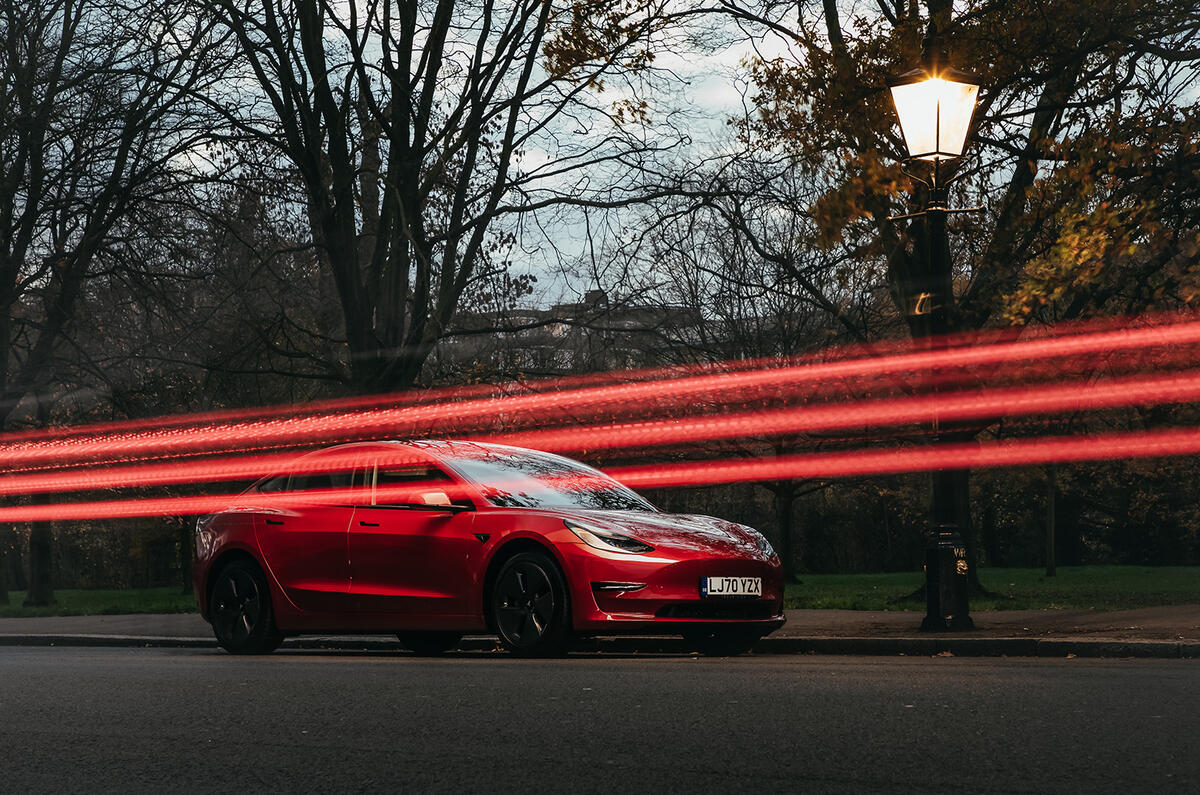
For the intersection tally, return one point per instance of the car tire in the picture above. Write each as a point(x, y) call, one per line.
point(531, 606)
point(722, 641)
point(429, 644)
point(240, 610)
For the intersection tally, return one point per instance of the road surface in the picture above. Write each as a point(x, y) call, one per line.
point(163, 720)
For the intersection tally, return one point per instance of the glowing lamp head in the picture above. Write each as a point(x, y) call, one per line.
point(934, 103)
point(935, 110)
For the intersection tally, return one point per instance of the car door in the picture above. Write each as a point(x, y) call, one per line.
point(409, 553)
point(305, 545)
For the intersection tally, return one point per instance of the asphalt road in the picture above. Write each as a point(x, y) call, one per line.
point(155, 720)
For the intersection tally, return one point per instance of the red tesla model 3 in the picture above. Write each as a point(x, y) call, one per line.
point(436, 539)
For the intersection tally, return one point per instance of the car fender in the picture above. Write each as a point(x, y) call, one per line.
point(503, 540)
point(236, 548)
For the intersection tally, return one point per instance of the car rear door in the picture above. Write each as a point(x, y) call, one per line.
point(305, 545)
point(410, 555)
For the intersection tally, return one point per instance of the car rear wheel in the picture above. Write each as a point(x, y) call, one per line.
point(240, 607)
point(429, 644)
point(722, 641)
point(531, 609)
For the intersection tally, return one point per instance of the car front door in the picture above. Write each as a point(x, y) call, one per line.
point(410, 553)
point(305, 545)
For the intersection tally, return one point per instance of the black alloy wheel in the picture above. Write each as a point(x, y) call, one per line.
point(240, 609)
point(531, 609)
point(722, 641)
point(429, 644)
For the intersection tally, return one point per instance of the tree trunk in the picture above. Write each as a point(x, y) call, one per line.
point(1068, 540)
point(991, 536)
point(41, 545)
point(11, 576)
point(16, 571)
point(186, 551)
point(1051, 498)
point(785, 510)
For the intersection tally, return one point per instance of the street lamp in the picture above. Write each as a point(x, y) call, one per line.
point(934, 104)
point(935, 111)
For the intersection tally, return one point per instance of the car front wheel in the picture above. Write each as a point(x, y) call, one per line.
point(531, 609)
point(240, 607)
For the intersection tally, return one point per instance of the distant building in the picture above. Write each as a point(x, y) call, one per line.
point(588, 336)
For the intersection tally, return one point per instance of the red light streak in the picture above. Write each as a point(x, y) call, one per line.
point(205, 418)
point(462, 417)
point(802, 466)
point(202, 471)
point(443, 394)
point(947, 407)
point(1022, 452)
point(202, 504)
point(480, 413)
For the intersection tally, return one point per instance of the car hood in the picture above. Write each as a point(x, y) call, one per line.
point(692, 532)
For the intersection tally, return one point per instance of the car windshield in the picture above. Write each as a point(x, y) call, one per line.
point(527, 479)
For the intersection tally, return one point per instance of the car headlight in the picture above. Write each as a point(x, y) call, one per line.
point(606, 539)
point(762, 542)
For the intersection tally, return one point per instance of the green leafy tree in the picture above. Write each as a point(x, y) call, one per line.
point(1083, 155)
point(1083, 152)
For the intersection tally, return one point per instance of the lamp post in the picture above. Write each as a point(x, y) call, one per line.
point(934, 104)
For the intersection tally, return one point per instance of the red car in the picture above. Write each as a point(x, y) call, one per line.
point(436, 539)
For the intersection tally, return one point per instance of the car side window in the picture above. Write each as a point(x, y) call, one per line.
point(277, 483)
point(322, 480)
point(427, 482)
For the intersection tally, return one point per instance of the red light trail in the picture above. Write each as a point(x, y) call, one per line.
point(449, 393)
point(530, 410)
point(673, 406)
point(1019, 452)
point(1141, 444)
point(953, 407)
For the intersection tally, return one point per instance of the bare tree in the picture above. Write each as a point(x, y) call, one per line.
point(95, 123)
point(424, 132)
point(689, 258)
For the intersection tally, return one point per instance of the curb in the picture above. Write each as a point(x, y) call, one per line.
point(986, 647)
point(905, 646)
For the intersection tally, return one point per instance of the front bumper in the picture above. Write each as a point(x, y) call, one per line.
point(670, 599)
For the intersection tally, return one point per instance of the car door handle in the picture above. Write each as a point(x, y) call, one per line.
point(368, 524)
point(274, 521)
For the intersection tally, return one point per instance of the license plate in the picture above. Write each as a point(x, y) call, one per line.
point(731, 586)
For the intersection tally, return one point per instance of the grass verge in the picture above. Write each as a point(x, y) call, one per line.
point(1086, 587)
point(1098, 587)
point(74, 602)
